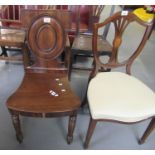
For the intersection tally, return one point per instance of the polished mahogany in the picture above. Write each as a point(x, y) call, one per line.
point(45, 90)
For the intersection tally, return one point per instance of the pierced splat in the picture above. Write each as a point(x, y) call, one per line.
point(120, 25)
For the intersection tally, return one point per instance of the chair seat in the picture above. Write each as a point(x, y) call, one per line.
point(13, 38)
point(33, 96)
point(121, 97)
point(84, 43)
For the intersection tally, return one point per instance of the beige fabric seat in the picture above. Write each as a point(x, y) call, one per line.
point(121, 97)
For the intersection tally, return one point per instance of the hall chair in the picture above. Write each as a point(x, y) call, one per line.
point(116, 96)
point(82, 44)
point(45, 90)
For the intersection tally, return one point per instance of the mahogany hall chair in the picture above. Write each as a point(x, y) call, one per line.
point(45, 90)
point(117, 96)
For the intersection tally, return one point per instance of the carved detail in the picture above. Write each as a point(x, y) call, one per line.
point(73, 119)
point(16, 124)
point(120, 23)
point(15, 119)
point(46, 40)
point(120, 26)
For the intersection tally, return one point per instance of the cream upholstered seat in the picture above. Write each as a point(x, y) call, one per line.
point(121, 97)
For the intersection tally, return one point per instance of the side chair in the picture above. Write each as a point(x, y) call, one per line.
point(116, 96)
point(82, 44)
point(45, 90)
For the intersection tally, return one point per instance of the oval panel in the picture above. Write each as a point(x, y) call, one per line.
point(46, 38)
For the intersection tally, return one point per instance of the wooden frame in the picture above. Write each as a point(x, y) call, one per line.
point(45, 89)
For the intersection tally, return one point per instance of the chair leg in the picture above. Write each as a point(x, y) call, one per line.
point(92, 125)
point(148, 131)
point(63, 56)
point(16, 124)
point(84, 102)
point(71, 126)
point(4, 51)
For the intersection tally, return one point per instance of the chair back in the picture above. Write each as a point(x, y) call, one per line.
point(64, 16)
point(120, 23)
point(83, 16)
point(9, 16)
point(46, 37)
point(80, 15)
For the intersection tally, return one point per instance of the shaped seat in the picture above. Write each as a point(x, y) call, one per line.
point(125, 104)
point(117, 96)
point(45, 90)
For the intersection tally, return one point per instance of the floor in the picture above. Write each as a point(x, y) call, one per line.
point(50, 133)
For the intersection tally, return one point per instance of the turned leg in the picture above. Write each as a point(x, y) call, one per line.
point(92, 125)
point(148, 131)
point(71, 126)
point(16, 124)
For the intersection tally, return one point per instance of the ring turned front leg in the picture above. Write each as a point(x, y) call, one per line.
point(71, 126)
point(16, 124)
